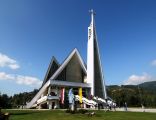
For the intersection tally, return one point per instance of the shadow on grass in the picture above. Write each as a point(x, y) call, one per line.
point(23, 113)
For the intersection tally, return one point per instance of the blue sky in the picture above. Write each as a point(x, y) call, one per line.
point(32, 31)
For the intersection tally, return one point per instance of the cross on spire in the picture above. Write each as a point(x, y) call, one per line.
point(92, 17)
point(92, 12)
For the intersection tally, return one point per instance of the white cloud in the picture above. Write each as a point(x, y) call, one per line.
point(4, 76)
point(20, 79)
point(137, 79)
point(14, 66)
point(153, 63)
point(28, 80)
point(5, 61)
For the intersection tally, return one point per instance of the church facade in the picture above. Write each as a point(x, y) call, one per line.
point(73, 73)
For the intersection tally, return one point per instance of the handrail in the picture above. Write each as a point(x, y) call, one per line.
point(86, 101)
point(38, 95)
point(99, 99)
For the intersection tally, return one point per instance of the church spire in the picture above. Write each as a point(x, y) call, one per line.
point(94, 68)
point(92, 16)
point(92, 24)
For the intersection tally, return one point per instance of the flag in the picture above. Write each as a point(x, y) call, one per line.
point(80, 94)
point(62, 95)
point(71, 96)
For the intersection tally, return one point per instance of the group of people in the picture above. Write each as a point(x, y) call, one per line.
point(108, 106)
point(111, 106)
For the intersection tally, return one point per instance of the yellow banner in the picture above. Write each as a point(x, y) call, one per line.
point(80, 94)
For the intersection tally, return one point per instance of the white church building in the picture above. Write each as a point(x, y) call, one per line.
point(74, 73)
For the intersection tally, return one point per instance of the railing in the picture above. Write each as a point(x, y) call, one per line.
point(41, 100)
point(45, 98)
point(86, 101)
point(38, 95)
point(109, 101)
point(99, 99)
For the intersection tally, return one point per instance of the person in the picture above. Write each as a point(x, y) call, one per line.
point(110, 107)
point(114, 106)
point(125, 105)
point(143, 107)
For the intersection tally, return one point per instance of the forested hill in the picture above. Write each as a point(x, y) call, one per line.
point(149, 86)
point(16, 100)
point(134, 95)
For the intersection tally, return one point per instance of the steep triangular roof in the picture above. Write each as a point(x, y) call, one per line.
point(67, 60)
point(57, 72)
point(53, 66)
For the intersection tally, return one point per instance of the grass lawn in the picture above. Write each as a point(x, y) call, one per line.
point(62, 115)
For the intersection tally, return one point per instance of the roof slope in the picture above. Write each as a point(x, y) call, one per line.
point(53, 66)
point(67, 60)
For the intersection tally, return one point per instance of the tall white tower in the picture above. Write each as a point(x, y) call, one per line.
point(94, 67)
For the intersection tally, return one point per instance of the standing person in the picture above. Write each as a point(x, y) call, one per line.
point(110, 107)
point(125, 106)
point(114, 106)
point(143, 107)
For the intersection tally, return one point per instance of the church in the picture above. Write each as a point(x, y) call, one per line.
point(86, 80)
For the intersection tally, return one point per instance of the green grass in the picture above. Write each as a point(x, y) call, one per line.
point(62, 115)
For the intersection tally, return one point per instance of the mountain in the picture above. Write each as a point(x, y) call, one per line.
point(134, 95)
point(149, 86)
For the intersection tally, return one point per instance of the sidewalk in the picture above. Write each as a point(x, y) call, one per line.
point(137, 110)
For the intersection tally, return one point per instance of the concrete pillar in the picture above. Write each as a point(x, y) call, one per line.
point(57, 104)
point(84, 105)
point(49, 104)
point(39, 107)
point(56, 90)
point(49, 90)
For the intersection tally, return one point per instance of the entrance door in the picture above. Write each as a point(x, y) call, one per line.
point(53, 105)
